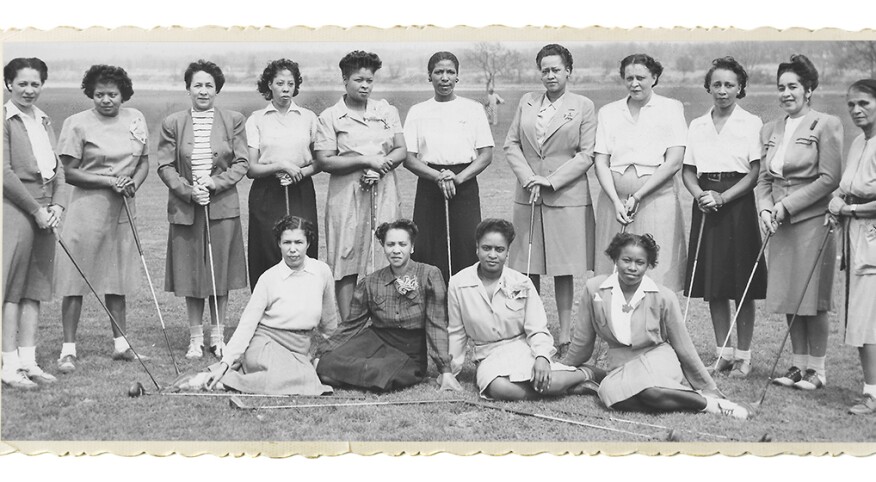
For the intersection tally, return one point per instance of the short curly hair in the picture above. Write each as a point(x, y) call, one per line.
point(728, 63)
point(271, 71)
point(402, 224)
point(10, 71)
point(202, 65)
point(803, 68)
point(287, 223)
point(650, 63)
point(107, 74)
point(359, 59)
point(645, 241)
point(495, 225)
point(554, 49)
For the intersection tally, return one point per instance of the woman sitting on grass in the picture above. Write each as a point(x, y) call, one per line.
point(650, 352)
point(499, 310)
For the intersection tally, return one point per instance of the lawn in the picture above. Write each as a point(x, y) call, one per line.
point(91, 404)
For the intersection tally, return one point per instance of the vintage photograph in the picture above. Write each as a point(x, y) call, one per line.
point(544, 242)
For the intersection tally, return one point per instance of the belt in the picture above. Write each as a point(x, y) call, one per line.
point(852, 199)
point(720, 176)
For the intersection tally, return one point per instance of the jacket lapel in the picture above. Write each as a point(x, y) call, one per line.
point(528, 117)
point(603, 319)
point(560, 118)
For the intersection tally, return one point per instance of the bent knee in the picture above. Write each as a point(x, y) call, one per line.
point(504, 389)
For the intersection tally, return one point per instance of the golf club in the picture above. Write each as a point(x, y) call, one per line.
point(645, 424)
point(531, 227)
point(693, 272)
point(286, 198)
point(373, 220)
point(212, 265)
point(149, 280)
point(744, 293)
point(99, 300)
point(238, 404)
point(447, 229)
point(258, 395)
point(824, 240)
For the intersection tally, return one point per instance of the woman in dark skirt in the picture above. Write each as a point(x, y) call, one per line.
point(449, 144)
point(201, 158)
point(280, 139)
point(406, 303)
point(721, 165)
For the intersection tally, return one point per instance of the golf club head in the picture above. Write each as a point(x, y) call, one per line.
point(237, 404)
point(766, 438)
point(672, 437)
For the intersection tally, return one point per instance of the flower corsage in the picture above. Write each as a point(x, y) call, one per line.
point(138, 130)
point(407, 286)
point(519, 291)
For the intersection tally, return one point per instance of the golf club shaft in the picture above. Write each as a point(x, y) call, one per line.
point(744, 293)
point(373, 222)
point(824, 240)
point(236, 403)
point(286, 197)
point(212, 265)
point(447, 228)
point(149, 280)
point(103, 305)
point(693, 272)
point(257, 395)
point(531, 227)
point(643, 424)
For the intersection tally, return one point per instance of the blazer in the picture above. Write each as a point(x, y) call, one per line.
point(812, 168)
point(563, 158)
point(23, 183)
point(656, 320)
point(228, 140)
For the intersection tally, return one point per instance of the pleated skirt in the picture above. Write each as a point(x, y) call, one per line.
point(791, 255)
point(657, 367)
point(28, 256)
point(562, 239)
point(861, 327)
point(267, 204)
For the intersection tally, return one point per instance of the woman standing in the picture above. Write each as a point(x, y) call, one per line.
point(201, 158)
point(721, 165)
point(639, 148)
point(856, 204)
point(359, 142)
point(800, 167)
point(449, 144)
point(406, 303)
point(280, 139)
point(106, 157)
point(650, 352)
point(499, 310)
point(550, 148)
point(34, 195)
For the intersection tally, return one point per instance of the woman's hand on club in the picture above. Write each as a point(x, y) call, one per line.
point(207, 182)
point(56, 211)
point(292, 172)
point(448, 188)
point(779, 213)
point(836, 205)
point(216, 371)
point(120, 184)
point(200, 194)
point(620, 213)
point(448, 382)
point(710, 201)
point(43, 218)
point(541, 375)
point(767, 224)
point(631, 205)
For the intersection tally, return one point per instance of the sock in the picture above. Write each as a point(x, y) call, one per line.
point(11, 362)
point(68, 349)
point(817, 363)
point(870, 390)
point(196, 334)
point(800, 361)
point(27, 356)
point(743, 355)
point(121, 344)
point(726, 353)
point(217, 335)
point(711, 405)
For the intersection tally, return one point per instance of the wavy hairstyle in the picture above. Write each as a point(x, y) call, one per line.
point(402, 224)
point(271, 71)
point(202, 65)
point(650, 63)
point(107, 74)
point(10, 71)
point(359, 59)
point(288, 223)
point(728, 63)
point(645, 241)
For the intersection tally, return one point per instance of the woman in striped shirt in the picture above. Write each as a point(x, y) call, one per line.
point(202, 155)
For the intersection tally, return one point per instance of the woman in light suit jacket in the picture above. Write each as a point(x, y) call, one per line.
point(202, 155)
point(800, 168)
point(550, 148)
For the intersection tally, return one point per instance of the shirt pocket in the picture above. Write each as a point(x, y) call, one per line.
point(515, 304)
point(768, 146)
point(807, 141)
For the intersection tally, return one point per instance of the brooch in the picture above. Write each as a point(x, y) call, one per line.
point(138, 130)
point(626, 308)
point(406, 284)
point(569, 115)
point(517, 292)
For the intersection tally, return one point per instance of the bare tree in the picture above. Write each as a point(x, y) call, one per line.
point(860, 55)
point(494, 60)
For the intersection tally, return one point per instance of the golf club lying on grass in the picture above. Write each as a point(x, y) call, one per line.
point(149, 279)
point(670, 430)
point(824, 240)
point(99, 300)
point(238, 404)
point(138, 390)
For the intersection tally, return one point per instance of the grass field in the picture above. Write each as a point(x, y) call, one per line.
point(91, 404)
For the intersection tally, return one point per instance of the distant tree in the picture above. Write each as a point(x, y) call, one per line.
point(494, 60)
point(860, 55)
point(684, 64)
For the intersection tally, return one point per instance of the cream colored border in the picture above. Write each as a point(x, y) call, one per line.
point(424, 34)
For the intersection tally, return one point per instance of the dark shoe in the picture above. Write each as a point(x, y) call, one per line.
point(217, 348)
point(792, 376)
point(127, 355)
point(67, 364)
point(810, 381)
point(864, 406)
point(741, 369)
point(724, 366)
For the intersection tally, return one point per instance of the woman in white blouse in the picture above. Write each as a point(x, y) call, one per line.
point(640, 142)
point(499, 310)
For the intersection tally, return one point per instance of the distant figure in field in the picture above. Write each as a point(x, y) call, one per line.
point(493, 101)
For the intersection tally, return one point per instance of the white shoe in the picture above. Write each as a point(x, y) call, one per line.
point(196, 350)
point(731, 409)
point(18, 379)
point(35, 373)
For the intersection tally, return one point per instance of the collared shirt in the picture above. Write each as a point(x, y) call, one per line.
point(356, 133)
point(731, 150)
point(39, 138)
point(777, 163)
point(202, 151)
point(514, 312)
point(546, 112)
point(643, 142)
point(280, 137)
point(859, 178)
point(621, 311)
point(377, 298)
point(447, 133)
point(286, 299)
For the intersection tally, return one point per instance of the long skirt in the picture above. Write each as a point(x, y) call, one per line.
point(465, 214)
point(659, 214)
point(562, 240)
point(657, 367)
point(861, 327)
point(731, 243)
point(188, 270)
point(513, 359)
point(267, 204)
point(378, 359)
point(99, 235)
point(28, 256)
point(791, 255)
point(276, 362)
